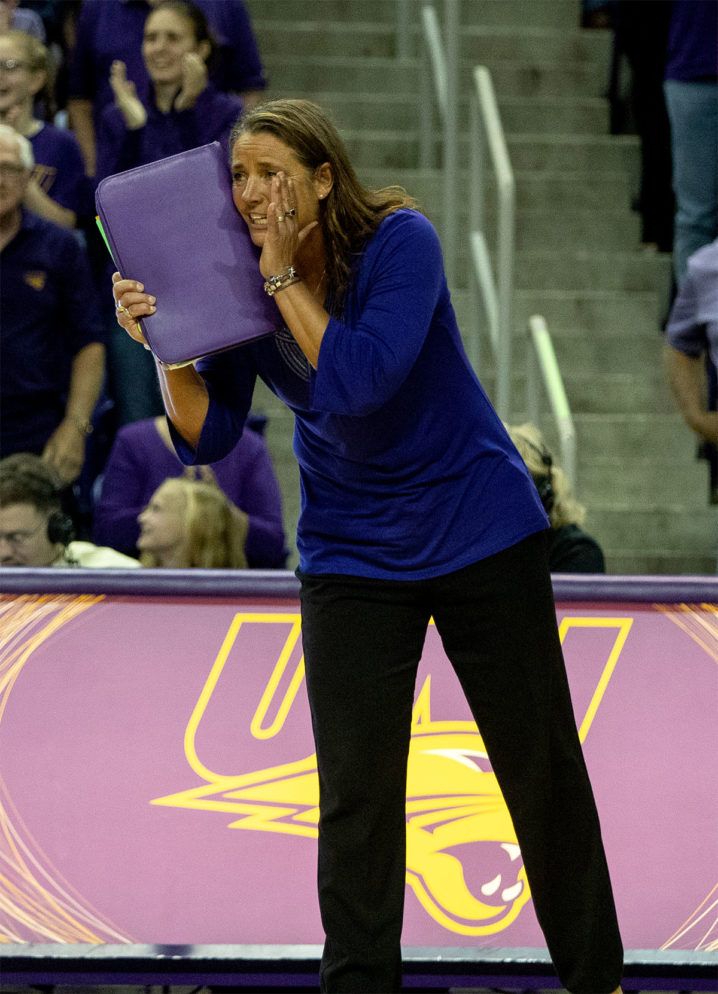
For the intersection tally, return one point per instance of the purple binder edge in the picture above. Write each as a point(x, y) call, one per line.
point(191, 249)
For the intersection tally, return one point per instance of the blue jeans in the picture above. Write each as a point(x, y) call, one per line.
point(693, 113)
point(132, 378)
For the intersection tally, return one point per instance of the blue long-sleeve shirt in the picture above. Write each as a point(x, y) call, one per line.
point(406, 470)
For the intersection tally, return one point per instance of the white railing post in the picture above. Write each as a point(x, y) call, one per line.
point(506, 224)
point(545, 359)
point(426, 111)
point(451, 139)
point(476, 204)
point(445, 73)
point(433, 69)
point(505, 281)
point(533, 393)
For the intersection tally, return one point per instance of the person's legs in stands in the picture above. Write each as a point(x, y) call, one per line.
point(693, 113)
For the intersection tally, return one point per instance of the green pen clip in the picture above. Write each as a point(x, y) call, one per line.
point(98, 222)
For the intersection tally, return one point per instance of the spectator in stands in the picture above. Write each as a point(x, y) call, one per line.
point(109, 31)
point(189, 523)
point(692, 335)
point(143, 456)
point(691, 88)
point(57, 190)
point(641, 34)
point(34, 530)
point(571, 550)
point(50, 336)
point(16, 18)
point(178, 109)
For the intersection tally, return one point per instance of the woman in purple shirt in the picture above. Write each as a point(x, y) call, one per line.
point(180, 109)
point(58, 190)
point(143, 456)
point(415, 504)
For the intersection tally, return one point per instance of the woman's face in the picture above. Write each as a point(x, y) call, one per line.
point(258, 157)
point(162, 524)
point(168, 37)
point(18, 83)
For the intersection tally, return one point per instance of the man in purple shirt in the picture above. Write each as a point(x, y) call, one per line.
point(110, 30)
point(50, 337)
point(692, 335)
point(58, 190)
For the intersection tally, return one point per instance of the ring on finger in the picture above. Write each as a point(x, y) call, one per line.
point(280, 217)
point(124, 310)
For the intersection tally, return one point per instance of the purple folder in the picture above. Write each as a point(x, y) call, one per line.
point(172, 225)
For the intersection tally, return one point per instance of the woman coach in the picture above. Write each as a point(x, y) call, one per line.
point(414, 504)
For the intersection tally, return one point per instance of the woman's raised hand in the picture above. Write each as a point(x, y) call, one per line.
point(131, 304)
point(126, 97)
point(284, 236)
point(194, 81)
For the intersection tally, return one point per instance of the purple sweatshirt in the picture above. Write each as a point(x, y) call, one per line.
point(211, 119)
point(693, 41)
point(140, 461)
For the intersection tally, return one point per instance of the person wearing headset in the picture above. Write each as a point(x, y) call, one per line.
point(34, 530)
point(570, 548)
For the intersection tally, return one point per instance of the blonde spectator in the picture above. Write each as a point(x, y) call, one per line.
point(58, 189)
point(188, 523)
point(571, 550)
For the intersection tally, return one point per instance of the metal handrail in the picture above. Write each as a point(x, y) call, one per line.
point(485, 132)
point(541, 359)
point(495, 293)
point(439, 64)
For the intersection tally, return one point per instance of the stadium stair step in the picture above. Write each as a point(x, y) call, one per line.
point(579, 260)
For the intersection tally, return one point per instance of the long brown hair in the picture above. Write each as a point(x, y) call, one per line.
point(351, 212)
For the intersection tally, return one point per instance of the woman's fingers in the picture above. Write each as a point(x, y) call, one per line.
point(131, 305)
point(130, 295)
point(290, 200)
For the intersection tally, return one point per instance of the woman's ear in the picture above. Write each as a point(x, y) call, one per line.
point(204, 50)
point(323, 180)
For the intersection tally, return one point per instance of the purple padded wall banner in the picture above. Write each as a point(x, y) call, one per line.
point(158, 778)
point(280, 583)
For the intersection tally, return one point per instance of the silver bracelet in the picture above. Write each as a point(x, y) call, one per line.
point(281, 281)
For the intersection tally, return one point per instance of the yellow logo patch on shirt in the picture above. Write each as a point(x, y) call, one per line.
point(44, 176)
point(36, 279)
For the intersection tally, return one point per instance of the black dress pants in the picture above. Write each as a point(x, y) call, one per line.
point(363, 641)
